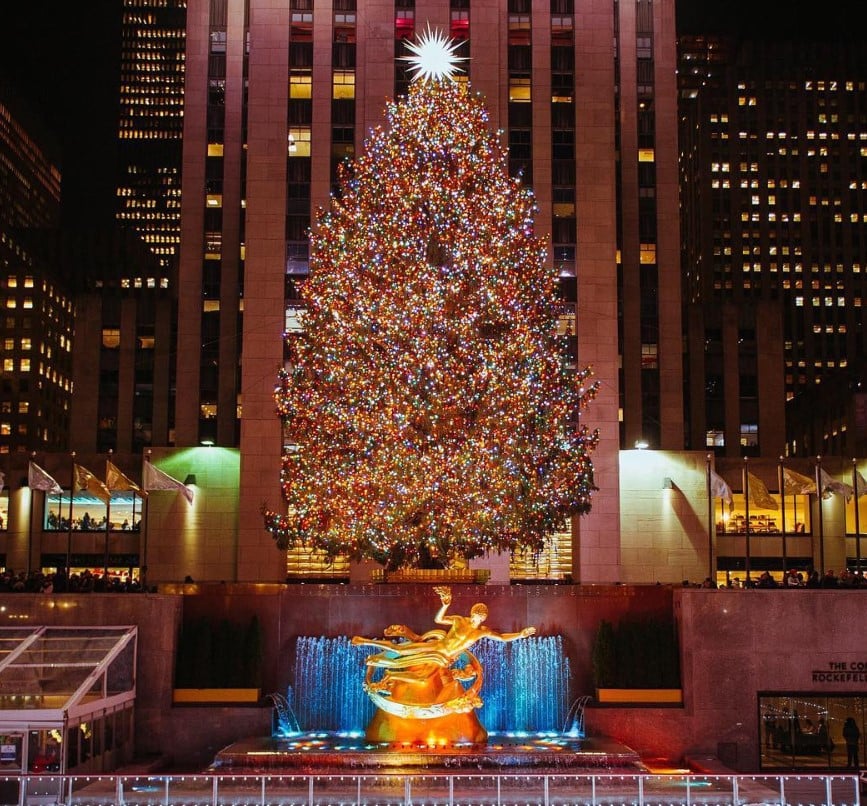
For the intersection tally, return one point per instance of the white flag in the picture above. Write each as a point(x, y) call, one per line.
point(38, 479)
point(154, 479)
point(719, 488)
point(831, 485)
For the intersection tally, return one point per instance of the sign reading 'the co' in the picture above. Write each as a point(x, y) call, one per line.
point(842, 672)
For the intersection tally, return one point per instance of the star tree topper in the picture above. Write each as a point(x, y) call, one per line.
point(433, 56)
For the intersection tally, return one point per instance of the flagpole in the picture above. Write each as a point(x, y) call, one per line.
point(710, 523)
point(30, 524)
point(746, 486)
point(819, 492)
point(782, 482)
point(107, 527)
point(69, 531)
point(143, 559)
point(857, 517)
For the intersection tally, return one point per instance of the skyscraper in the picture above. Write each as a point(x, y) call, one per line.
point(36, 323)
point(774, 138)
point(276, 96)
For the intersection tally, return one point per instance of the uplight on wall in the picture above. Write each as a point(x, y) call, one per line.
point(641, 444)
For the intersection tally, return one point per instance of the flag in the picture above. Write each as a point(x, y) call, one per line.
point(115, 479)
point(84, 480)
point(38, 479)
point(154, 479)
point(830, 485)
point(797, 484)
point(719, 488)
point(759, 495)
point(860, 484)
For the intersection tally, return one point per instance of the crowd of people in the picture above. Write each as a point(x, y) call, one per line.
point(793, 578)
point(60, 582)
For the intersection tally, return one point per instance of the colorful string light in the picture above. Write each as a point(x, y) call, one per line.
point(428, 408)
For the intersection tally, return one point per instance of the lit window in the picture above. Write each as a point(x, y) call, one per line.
point(8, 365)
point(12, 282)
point(300, 84)
point(715, 438)
point(749, 435)
point(110, 338)
point(28, 282)
point(25, 365)
point(208, 411)
point(215, 149)
point(9, 345)
point(648, 155)
point(299, 141)
point(519, 89)
point(344, 85)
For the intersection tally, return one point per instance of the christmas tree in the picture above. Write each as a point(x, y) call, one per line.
point(427, 407)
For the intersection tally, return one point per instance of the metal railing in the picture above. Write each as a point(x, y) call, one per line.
point(458, 789)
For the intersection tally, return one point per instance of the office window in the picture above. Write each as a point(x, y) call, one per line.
point(343, 85)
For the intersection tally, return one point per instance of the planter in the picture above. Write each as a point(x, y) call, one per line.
point(639, 696)
point(216, 696)
point(433, 576)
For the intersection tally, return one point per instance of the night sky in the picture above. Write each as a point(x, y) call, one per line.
point(62, 55)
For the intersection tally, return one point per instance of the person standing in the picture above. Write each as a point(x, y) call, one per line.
point(851, 735)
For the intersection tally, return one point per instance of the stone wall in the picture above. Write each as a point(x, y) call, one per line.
point(734, 644)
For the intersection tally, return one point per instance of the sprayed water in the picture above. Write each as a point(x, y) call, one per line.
point(526, 685)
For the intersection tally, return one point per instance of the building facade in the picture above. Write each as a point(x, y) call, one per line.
point(773, 159)
point(278, 95)
point(36, 323)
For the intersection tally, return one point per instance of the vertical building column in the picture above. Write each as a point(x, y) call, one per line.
point(697, 371)
point(320, 151)
point(162, 369)
point(85, 373)
point(771, 370)
point(192, 249)
point(596, 551)
point(374, 65)
point(540, 94)
point(731, 379)
point(670, 339)
point(126, 374)
point(489, 58)
point(264, 286)
point(230, 272)
point(630, 256)
point(434, 13)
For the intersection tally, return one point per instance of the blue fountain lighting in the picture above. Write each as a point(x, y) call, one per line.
point(525, 691)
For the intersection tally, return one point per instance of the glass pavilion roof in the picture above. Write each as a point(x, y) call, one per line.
point(65, 668)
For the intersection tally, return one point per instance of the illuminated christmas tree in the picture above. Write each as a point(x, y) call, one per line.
point(428, 407)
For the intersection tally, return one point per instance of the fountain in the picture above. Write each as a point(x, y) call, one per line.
point(416, 706)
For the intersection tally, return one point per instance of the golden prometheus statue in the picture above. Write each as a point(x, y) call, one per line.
point(419, 690)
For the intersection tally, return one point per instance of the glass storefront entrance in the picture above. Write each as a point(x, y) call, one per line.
point(806, 731)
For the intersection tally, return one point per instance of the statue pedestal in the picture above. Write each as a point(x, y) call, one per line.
point(437, 731)
point(431, 709)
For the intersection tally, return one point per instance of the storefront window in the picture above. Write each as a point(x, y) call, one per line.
point(764, 521)
point(90, 514)
point(850, 515)
point(4, 510)
point(806, 731)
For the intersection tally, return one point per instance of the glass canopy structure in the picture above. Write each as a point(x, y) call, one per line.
point(66, 698)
